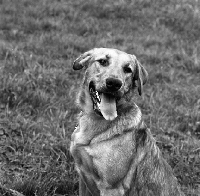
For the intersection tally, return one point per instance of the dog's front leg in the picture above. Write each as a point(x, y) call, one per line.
point(87, 187)
point(129, 178)
point(83, 190)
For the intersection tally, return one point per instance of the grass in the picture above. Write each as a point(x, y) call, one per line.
point(39, 41)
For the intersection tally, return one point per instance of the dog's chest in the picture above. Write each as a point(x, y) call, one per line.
point(111, 158)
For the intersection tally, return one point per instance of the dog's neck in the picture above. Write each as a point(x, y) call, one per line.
point(103, 129)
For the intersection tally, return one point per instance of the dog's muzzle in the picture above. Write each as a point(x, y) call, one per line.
point(105, 100)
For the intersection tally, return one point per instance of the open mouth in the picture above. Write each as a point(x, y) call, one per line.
point(104, 103)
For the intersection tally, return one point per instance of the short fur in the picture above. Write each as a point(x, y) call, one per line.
point(117, 157)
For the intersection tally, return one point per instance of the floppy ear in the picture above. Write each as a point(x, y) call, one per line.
point(82, 60)
point(141, 76)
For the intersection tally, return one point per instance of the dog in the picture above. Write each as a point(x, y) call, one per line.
point(115, 153)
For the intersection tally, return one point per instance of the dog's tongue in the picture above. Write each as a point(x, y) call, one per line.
point(108, 107)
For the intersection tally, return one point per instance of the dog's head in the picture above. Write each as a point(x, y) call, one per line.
point(110, 75)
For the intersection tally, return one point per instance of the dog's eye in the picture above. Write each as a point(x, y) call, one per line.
point(127, 69)
point(103, 62)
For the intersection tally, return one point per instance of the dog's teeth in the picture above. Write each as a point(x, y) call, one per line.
point(98, 105)
point(98, 97)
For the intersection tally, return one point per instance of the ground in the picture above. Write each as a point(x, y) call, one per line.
point(39, 41)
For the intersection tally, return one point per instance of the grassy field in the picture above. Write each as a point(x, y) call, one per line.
point(38, 42)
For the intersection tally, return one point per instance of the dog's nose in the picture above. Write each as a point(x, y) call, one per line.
point(113, 84)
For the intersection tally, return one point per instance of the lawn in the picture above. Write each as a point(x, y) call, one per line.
point(38, 42)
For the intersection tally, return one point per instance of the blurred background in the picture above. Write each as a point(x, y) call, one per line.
point(38, 42)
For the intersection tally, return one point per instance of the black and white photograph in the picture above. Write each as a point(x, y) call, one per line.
point(99, 97)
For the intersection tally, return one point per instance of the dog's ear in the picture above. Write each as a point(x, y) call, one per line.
point(141, 76)
point(82, 60)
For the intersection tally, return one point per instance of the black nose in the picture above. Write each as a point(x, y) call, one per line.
point(113, 84)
